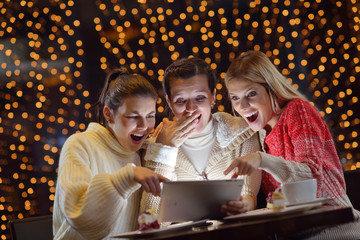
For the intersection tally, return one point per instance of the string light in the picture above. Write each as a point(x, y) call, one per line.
point(41, 65)
point(44, 93)
point(317, 72)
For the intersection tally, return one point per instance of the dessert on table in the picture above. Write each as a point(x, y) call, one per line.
point(148, 220)
point(276, 200)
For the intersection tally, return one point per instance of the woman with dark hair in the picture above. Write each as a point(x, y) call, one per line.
point(199, 144)
point(99, 170)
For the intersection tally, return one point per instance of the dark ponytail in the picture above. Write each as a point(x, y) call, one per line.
point(118, 85)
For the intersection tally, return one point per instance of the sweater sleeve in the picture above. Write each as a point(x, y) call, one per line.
point(284, 171)
point(306, 134)
point(91, 203)
point(161, 159)
point(252, 183)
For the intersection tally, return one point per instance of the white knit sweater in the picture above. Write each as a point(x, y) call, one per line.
point(96, 194)
point(233, 139)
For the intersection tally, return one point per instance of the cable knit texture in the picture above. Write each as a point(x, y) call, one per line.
point(300, 147)
point(96, 194)
point(303, 148)
point(233, 139)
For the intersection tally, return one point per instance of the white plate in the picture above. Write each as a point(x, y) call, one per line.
point(264, 212)
point(318, 200)
point(171, 228)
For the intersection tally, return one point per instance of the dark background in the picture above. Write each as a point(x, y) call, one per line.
point(55, 56)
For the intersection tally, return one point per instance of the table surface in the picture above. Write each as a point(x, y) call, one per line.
point(279, 226)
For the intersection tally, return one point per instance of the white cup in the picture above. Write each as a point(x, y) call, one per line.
point(300, 192)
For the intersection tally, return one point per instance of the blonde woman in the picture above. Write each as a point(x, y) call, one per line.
point(297, 143)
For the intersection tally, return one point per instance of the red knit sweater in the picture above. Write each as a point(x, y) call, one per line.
point(301, 135)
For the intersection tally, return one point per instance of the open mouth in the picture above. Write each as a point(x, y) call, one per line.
point(252, 117)
point(137, 137)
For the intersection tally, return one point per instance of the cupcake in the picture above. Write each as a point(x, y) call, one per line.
point(276, 200)
point(148, 220)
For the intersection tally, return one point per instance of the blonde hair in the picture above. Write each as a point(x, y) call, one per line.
point(256, 67)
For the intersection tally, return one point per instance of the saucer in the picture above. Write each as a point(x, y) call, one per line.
point(267, 213)
point(318, 200)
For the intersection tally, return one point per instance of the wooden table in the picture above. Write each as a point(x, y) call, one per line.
point(276, 227)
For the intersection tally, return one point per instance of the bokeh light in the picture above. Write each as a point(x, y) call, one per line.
point(54, 57)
